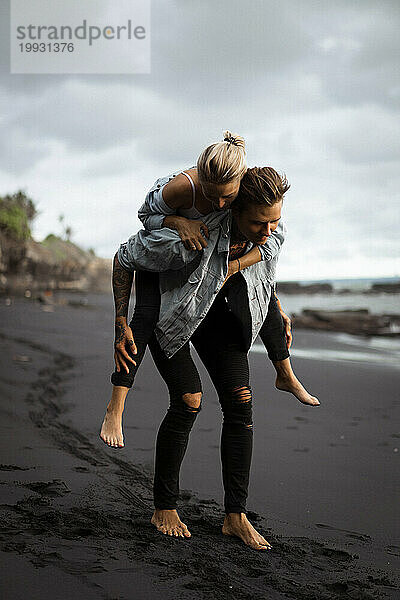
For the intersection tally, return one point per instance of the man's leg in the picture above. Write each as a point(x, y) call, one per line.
point(273, 337)
point(182, 378)
point(225, 359)
point(144, 319)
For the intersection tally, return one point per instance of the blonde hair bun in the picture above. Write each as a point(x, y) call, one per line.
point(236, 140)
point(224, 161)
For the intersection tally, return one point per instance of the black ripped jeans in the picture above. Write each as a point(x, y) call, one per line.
point(219, 341)
point(221, 350)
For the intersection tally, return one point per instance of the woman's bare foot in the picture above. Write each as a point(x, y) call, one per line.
point(293, 385)
point(287, 381)
point(111, 429)
point(237, 524)
point(168, 522)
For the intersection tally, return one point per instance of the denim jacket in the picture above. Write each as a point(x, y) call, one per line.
point(154, 209)
point(189, 281)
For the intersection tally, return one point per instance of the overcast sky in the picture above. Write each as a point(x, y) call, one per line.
point(312, 86)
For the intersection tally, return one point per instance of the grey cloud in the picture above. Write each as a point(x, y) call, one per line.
point(359, 53)
point(18, 153)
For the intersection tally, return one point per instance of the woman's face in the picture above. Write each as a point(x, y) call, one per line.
point(221, 195)
point(257, 222)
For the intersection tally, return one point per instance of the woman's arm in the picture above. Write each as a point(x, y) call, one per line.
point(122, 286)
point(159, 250)
point(266, 251)
point(160, 208)
point(250, 258)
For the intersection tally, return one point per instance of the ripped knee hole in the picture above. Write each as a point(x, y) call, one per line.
point(242, 393)
point(193, 401)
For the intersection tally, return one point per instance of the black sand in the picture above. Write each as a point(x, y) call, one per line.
point(75, 514)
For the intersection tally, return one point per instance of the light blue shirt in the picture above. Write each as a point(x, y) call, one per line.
point(190, 280)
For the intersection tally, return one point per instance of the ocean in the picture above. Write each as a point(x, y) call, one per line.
point(357, 297)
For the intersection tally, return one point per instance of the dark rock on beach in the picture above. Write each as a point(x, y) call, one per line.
point(386, 288)
point(357, 322)
point(293, 287)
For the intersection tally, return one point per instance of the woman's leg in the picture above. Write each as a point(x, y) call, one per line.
point(182, 378)
point(144, 319)
point(272, 334)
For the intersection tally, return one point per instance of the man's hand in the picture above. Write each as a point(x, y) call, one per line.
point(191, 232)
point(123, 341)
point(288, 329)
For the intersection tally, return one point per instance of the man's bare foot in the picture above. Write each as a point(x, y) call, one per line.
point(237, 524)
point(292, 384)
point(111, 430)
point(168, 522)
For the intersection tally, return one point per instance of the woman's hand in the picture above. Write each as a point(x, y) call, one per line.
point(123, 341)
point(233, 267)
point(191, 232)
point(288, 328)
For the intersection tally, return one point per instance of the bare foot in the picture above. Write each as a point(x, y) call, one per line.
point(168, 522)
point(111, 430)
point(292, 384)
point(237, 524)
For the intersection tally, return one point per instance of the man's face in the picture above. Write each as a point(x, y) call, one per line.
point(221, 195)
point(257, 222)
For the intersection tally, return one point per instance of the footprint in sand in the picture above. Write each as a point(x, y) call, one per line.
point(13, 468)
point(395, 550)
point(56, 487)
point(363, 537)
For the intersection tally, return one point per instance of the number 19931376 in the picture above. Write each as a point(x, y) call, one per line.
point(47, 47)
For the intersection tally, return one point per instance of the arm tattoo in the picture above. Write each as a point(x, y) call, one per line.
point(119, 333)
point(122, 285)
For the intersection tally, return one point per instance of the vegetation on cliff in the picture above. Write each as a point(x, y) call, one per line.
point(16, 215)
point(54, 263)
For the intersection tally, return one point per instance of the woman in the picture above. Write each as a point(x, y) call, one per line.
point(179, 201)
point(211, 315)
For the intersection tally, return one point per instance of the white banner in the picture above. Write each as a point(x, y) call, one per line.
point(90, 36)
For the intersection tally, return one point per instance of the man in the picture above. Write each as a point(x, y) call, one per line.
point(222, 321)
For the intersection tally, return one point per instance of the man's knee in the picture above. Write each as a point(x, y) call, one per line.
point(193, 401)
point(237, 406)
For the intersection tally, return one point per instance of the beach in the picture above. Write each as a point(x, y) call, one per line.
point(76, 514)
